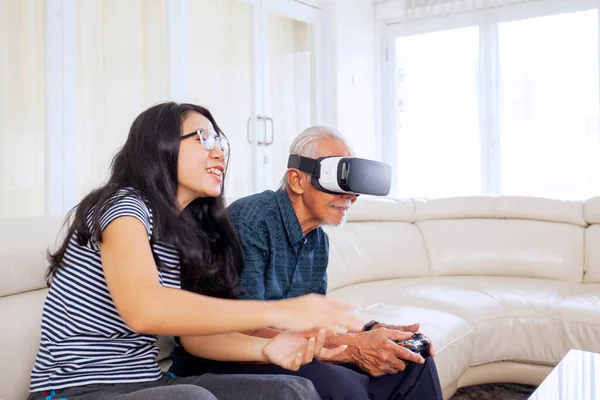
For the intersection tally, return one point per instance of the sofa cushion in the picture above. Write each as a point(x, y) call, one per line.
point(531, 249)
point(23, 248)
point(371, 208)
point(513, 207)
point(509, 316)
point(592, 254)
point(579, 316)
point(591, 210)
point(368, 251)
point(451, 335)
point(527, 330)
point(21, 316)
point(449, 294)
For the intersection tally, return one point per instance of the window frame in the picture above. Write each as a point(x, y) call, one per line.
point(489, 97)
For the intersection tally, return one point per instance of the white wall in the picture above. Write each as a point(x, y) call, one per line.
point(113, 76)
point(355, 61)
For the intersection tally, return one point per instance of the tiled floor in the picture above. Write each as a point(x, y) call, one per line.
point(494, 391)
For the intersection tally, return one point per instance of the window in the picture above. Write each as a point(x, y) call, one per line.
point(538, 134)
point(437, 142)
point(549, 106)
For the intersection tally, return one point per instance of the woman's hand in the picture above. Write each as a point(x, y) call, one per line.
point(315, 312)
point(291, 349)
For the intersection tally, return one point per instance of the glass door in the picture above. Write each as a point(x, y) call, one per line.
point(144, 52)
point(288, 100)
point(221, 65)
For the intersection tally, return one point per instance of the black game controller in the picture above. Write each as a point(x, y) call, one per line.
point(417, 344)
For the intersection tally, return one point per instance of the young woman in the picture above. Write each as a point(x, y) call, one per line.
point(115, 282)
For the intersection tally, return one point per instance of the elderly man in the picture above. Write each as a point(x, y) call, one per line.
point(286, 254)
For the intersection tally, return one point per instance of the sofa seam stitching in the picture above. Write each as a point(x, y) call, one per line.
point(429, 266)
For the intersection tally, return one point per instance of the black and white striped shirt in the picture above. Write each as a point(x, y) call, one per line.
point(83, 339)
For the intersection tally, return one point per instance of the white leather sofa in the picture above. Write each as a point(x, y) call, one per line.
point(503, 286)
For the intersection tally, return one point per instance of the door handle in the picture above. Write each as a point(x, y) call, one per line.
point(248, 130)
point(258, 142)
point(270, 121)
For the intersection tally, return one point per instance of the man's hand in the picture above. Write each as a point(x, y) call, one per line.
point(406, 328)
point(375, 351)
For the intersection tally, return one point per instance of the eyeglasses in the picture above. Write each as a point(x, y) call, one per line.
point(210, 139)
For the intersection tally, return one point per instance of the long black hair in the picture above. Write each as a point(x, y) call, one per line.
point(210, 252)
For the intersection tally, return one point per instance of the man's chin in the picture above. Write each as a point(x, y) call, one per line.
point(335, 222)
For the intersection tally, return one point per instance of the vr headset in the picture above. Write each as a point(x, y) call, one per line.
point(339, 175)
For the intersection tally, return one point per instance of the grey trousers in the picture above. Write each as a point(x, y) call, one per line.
point(203, 387)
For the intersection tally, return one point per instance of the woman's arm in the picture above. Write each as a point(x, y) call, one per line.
point(147, 307)
point(266, 333)
point(226, 347)
point(289, 349)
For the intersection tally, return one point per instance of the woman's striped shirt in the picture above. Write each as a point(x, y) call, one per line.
point(83, 339)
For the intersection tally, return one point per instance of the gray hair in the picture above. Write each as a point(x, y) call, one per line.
point(305, 144)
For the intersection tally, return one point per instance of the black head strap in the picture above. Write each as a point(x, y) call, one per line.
point(305, 164)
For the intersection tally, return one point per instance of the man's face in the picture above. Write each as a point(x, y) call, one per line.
point(329, 209)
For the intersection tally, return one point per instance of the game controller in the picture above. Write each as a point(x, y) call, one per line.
point(417, 344)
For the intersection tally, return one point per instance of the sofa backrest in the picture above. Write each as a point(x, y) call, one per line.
point(503, 236)
point(22, 292)
point(592, 241)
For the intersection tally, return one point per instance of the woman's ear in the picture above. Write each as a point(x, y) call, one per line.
point(296, 180)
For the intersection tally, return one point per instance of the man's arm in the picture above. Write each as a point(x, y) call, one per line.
point(373, 351)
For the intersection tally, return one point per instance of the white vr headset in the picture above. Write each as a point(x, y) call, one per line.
point(339, 175)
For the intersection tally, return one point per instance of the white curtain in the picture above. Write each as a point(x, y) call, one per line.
point(122, 63)
point(22, 108)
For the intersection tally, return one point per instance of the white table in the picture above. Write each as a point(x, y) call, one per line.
point(576, 377)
